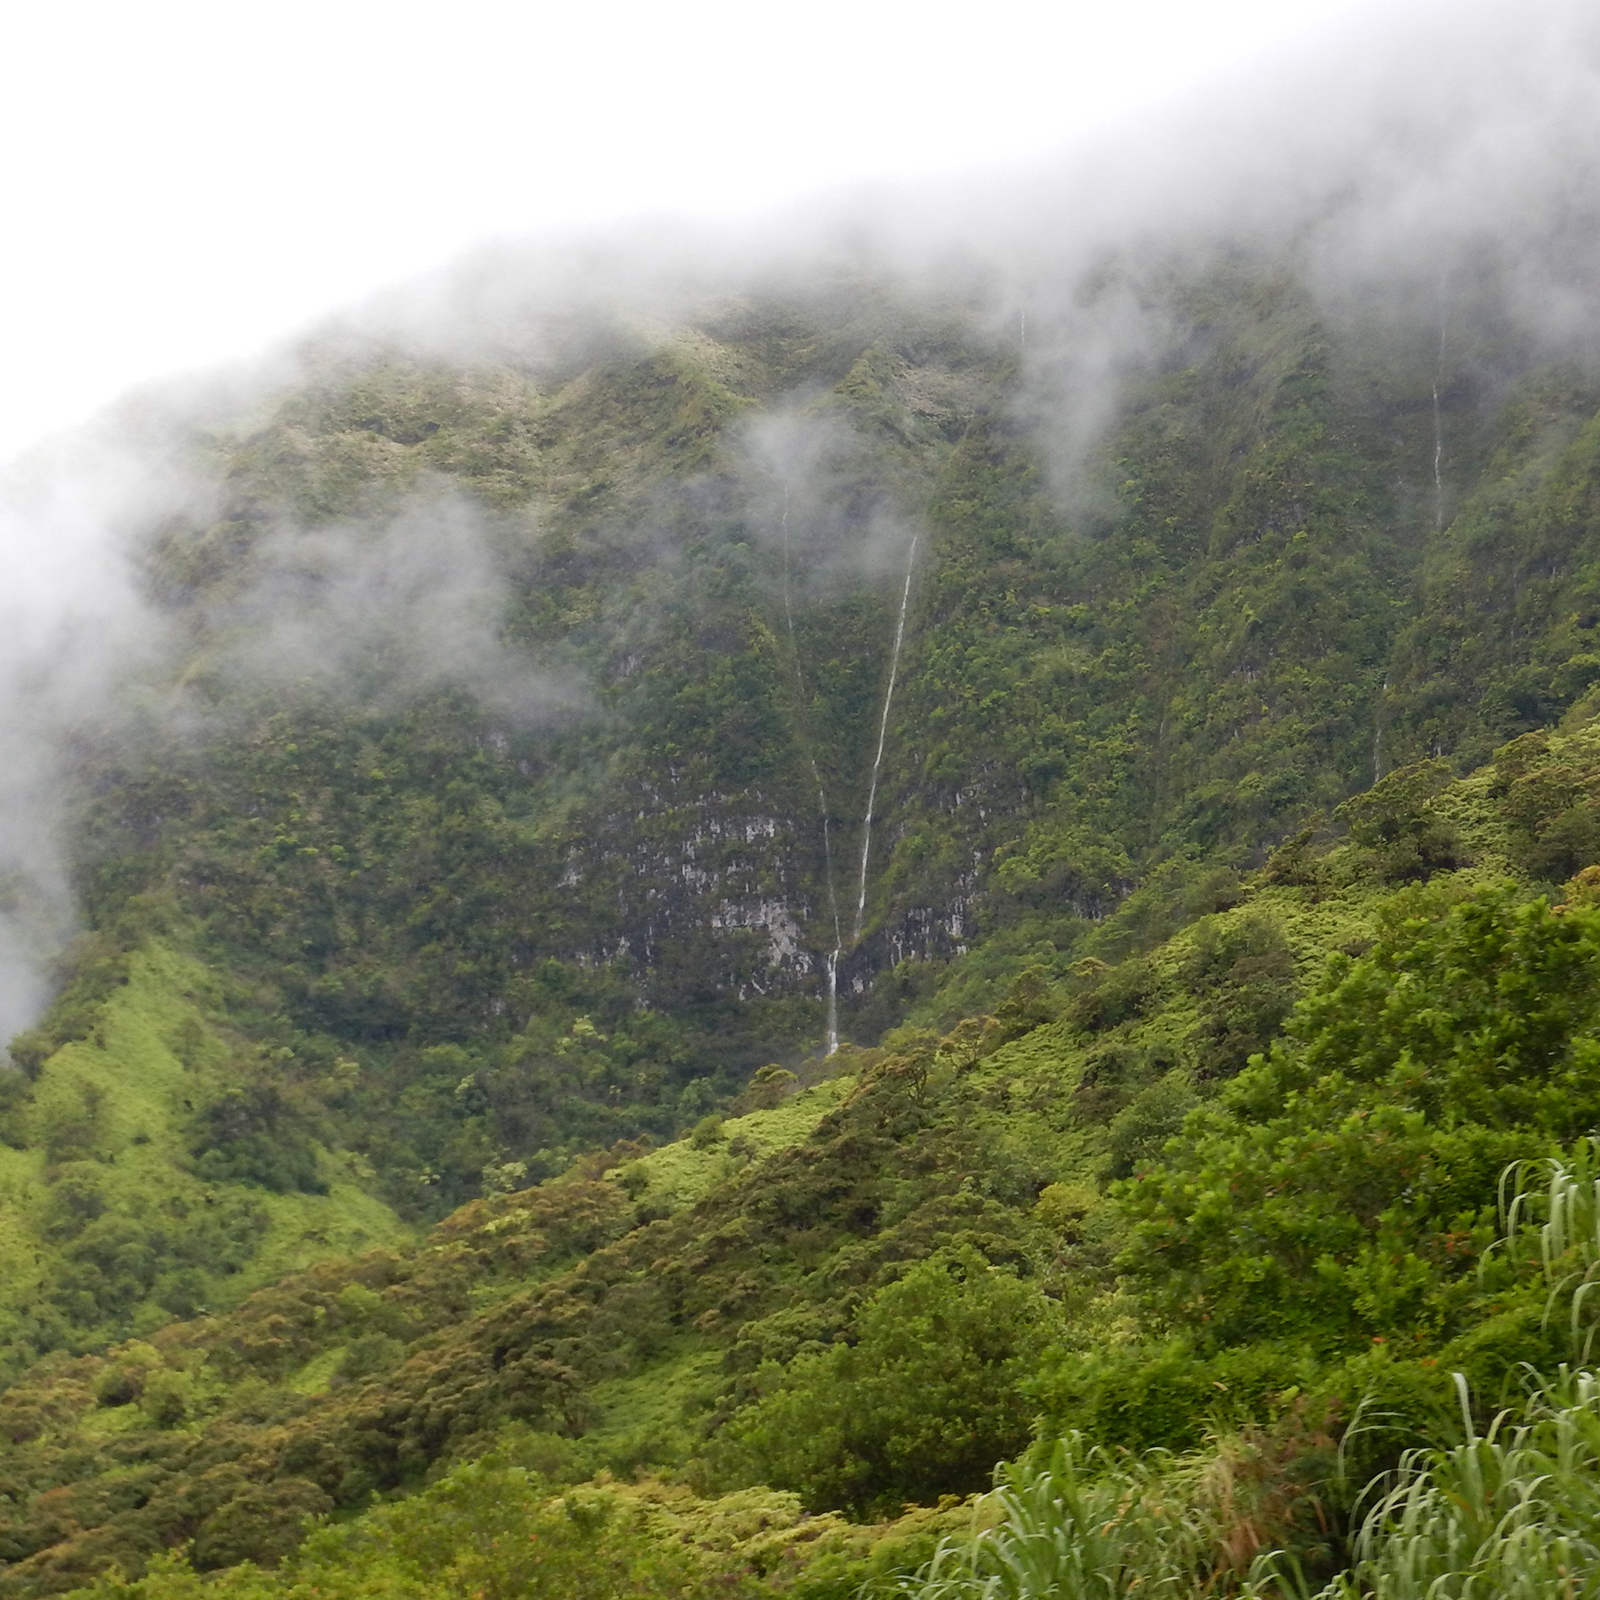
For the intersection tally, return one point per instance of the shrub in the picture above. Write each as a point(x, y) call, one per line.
point(1395, 820)
point(1078, 1525)
point(923, 1403)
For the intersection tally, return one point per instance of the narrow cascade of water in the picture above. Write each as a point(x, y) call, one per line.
point(1438, 462)
point(822, 798)
point(827, 855)
point(833, 999)
point(788, 611)
point(883, 734)
point(833, 909)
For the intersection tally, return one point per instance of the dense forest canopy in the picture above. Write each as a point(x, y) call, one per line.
point(690, 905)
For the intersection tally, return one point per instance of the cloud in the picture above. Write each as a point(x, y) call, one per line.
point(816, 499)
point(1440, 162)
point(1434, 165)
point(376, 613)
point(381, 612)
point(73, 626)
point(1393, 152)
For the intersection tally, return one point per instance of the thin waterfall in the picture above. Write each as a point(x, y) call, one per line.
point(833, 1000)
point(1438, 462)
point(788, 609)
point(833, 907)
point(822, 797)
point(883, 734)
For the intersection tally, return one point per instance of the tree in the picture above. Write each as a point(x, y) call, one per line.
point(1345, 1179)
point(924, 1402)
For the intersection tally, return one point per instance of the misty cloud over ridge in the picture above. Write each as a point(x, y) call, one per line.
point(73, 627)
point(376, 612)
point(1400, 161)
point(811, 501)
point(1434, 163)
point(382, 611)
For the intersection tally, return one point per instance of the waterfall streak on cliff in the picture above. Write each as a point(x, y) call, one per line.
point(833, 908)
point(1438, 463)
point(788, 610)
point(822, 798)
point(833, 999)
point(883, 734)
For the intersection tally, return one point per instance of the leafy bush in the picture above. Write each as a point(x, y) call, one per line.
point(254, 1134)
point(1119, 994)
point(1167, 1397)
point(924, 1401)
point(488, 1530)
point(1243, 976)
point(1396, 821)
point(1340, 1186)
point(14, 1097)
point(1140, 1130)
point(263, 1523)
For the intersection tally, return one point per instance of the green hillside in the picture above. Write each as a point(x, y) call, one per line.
point(435, 1133)
point(866, 1294)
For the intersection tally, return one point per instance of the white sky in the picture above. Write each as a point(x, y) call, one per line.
point(185, 182)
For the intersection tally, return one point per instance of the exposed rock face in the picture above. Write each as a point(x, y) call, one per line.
point(678, 586)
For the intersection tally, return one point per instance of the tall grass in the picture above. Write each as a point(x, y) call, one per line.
point(1510, 1513)
point(1568, 1239)
point(1081, 1523)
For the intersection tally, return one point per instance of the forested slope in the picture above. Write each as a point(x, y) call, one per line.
point(540, 742)
point(869, 1292)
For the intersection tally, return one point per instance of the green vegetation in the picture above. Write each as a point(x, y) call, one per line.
point(904, 1274)
point(161, 1165)
point(432, 1147)
point(924, 1400)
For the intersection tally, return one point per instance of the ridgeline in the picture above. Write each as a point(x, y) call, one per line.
point(436, 1131)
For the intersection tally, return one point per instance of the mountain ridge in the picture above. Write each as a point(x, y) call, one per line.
point(483, 853)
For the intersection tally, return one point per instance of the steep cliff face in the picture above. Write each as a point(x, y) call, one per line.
point(543, 747)
point(548, 744)
point(1188, 668)
point(698, 556)
point(799, 657)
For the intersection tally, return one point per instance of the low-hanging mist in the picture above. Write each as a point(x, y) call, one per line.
point(1425, 185)
point(762, 868)
point(378, 612)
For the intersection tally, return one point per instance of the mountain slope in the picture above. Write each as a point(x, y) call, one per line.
point(697, 1309)
point(539, 743)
